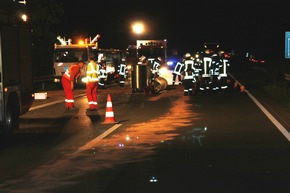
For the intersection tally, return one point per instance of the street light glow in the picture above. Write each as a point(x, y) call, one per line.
point(138, 28)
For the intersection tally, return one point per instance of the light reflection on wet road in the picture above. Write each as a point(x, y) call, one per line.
point(185, 149)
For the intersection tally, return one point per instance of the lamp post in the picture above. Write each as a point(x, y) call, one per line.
point(138, 28)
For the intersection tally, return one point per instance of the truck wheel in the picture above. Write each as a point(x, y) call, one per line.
point(12, 115)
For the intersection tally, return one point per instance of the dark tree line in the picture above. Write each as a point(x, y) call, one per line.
point(43, 14)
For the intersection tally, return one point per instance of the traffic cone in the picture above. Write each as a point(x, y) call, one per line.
point(242, 88)
point(109, 116)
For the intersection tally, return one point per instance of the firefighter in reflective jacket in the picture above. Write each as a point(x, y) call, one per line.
point(92, 80)
point(188, 82)
point(179, 67)
point(223, 72)
point(214, 72)
point(204, 73)
point(189, 75)
point(68, 79)
point(122, 72)
point(103, 74)
point(155, 68)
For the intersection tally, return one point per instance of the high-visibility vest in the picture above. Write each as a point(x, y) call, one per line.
point(122, 69)
point(205, 67)
point(92, 72)
point(215, 64)
point(68, 72)
point(103, 73)
point(178, 68)
point(188, 75)
point(224, 68)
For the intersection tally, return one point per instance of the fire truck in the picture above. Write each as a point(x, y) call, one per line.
point(16, 81)
point(67, 53)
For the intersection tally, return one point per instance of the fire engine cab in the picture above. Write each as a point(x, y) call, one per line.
point(66, 54)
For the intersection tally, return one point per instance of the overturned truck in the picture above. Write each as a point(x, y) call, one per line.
point(148, 66)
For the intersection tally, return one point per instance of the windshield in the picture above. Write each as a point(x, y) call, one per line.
point(151, 52)
point(70, 54)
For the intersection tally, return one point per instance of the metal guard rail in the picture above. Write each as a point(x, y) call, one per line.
point(39, 79)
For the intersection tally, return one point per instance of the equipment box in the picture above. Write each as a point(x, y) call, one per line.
point(40, 95)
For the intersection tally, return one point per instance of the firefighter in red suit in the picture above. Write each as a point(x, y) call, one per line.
point(68, 80)
point(92, 80)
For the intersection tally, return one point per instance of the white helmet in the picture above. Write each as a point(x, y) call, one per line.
point(187, 55)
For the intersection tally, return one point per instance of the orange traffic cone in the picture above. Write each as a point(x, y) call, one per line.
point(242, 88)
point(109, 116)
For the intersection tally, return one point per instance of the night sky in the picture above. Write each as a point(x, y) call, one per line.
point(257, 26)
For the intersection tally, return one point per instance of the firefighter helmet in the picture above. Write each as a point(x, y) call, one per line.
point(187, 55)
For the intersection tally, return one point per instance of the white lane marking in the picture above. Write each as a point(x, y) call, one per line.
point(267, 113)
point(45, 105)
point(52, 103)
point(93, 142)
point(274, 121)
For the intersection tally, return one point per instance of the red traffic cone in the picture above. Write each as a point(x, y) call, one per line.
point(109, 116)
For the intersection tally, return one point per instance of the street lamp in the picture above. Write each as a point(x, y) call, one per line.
point(138, 28)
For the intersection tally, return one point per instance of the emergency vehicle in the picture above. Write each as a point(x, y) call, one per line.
point(113, 58)
point(152, 49)
point(67, 53)
point(16, 81)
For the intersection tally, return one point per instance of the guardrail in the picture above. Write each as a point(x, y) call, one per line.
point(39, 79)
point(43, 80)
point(287, 78)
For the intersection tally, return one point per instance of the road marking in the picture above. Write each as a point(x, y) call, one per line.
point(93, 142)
point(274, 121)
point(45, 105)
point(267, 113)
point(52, 103)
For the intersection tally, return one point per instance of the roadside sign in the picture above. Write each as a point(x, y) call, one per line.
point(287, 45)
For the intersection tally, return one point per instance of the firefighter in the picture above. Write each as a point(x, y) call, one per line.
point(179, 67)
point(155, 68)
point(214, 72)
point(198, 70)
point(122, 72)
point(102, 73)
point(68, 80)
point(204, 71)
point(92, 80)
point(188, 82)
point(223, 72)
point(189, 75)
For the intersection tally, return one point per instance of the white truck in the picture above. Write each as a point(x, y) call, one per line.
point(67, 53)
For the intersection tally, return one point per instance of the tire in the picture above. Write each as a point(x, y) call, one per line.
point(12, 115)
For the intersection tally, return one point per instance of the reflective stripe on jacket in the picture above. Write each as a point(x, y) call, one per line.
point(72, 72)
